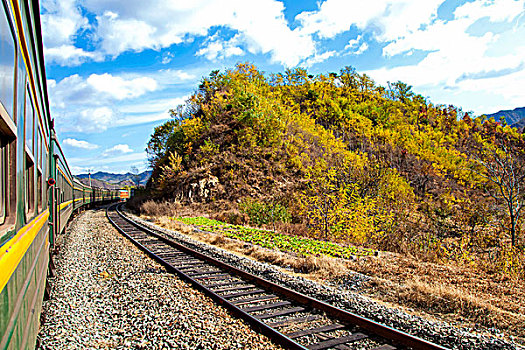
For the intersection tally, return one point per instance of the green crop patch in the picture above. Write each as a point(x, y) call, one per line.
point(275, 240)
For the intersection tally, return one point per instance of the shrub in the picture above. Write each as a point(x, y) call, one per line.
point(153, 208)
point(261, 213)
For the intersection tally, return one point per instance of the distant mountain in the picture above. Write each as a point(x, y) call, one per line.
point(100, 184)
point(514, 118)
point(127, 179)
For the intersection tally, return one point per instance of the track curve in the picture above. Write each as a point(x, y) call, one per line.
point(291, 319)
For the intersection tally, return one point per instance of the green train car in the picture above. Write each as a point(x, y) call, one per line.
point(38, 194)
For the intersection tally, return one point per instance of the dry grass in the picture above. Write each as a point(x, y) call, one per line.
point(447, 300)
point(234, 217)
point(155, 209)
point(158, 209)
point(170, 224)
point(455, 293)
point(318, 268)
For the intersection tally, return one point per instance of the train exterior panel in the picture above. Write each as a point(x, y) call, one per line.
point(124, 194)
point(37, 190)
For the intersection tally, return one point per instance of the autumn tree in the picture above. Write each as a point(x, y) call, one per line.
point(371, 163)
point(158, 143)
point(400, 91)
point(503, 166)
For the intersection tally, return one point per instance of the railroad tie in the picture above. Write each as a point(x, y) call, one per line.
point(336, 341)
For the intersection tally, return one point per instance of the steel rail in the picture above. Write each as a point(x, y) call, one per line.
point(397, 337)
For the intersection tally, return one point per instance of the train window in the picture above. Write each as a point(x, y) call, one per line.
point(39, 194)
point(21, 87)
point(7, 62)
point(29, 122)
point(30, 184)
point(38, 156)
point(7, 183)
point(41, 174)
point(35, 153)
point(3, 181)
point(40, 147)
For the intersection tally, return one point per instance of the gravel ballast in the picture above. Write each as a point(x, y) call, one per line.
point(108, 294)
point(435, 331)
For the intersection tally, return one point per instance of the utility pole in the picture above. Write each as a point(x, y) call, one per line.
point(89, 175)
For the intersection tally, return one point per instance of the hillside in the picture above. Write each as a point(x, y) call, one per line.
point(514, 118)
point(99, 183)
point(339, 158)
point(127, 179)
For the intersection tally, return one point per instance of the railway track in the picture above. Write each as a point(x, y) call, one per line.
point(291, 319)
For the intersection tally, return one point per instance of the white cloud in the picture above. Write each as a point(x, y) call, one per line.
point(265, 30)
point(94, 120)
point(151, 111)
point(122, 34)
point(361, 46)
point(120, 88)
point(98, 89)
point(509, 86)
point(116, 150)
point(62, 21)
point(318, 58)
point(389, 19)
point(86, 120)
point(89, 105)
point(449, 38)
point(177, 74)
point(167, 57)
point(105, 101)
point(131, 26)
point(69, 55)
point(464, 48)
point(215, 48)
point(79, 144)
point(77, 170)
point(353, 43)
point(496, 11)
point(459, 61)
point(161, 104)
point(168, 77)
point(401, 18)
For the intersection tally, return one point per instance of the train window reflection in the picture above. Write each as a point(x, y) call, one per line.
point(39, 190)
point(7, 63)
point(29, 122)
point(21, 86)
point(40, 147)
point(30, 185)
point(3, 180)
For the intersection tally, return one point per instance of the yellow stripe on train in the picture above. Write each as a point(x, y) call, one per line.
point(65, 176)
point(14, 250)
point(65, 204)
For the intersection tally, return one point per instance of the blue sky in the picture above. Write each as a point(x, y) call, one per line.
point(115, 68)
